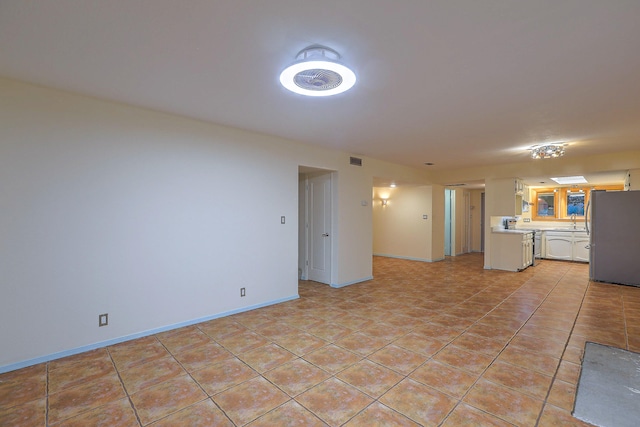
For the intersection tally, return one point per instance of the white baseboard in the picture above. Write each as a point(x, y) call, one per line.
point(409, 258)
point(71, 352)
point(342, 285)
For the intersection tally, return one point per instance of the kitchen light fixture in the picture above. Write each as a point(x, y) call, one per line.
point(384, 202)
point(547, 151)
point(317, 72)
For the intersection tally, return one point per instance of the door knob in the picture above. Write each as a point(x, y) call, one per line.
point(325, 234)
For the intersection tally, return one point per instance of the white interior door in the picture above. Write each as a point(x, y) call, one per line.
point(320, 229)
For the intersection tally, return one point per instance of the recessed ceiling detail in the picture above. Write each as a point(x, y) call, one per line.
point(564, 180)
point(318, 71)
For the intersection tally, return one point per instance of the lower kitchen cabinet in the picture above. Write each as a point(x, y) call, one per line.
point(559, 245)
point(538, 245)
point(580, 247)
point(566, 245)
point(511, 251)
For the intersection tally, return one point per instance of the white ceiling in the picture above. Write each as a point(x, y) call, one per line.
point(453, 82)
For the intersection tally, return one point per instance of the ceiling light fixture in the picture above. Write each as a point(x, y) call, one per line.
point(317, 71)
point(547, 151)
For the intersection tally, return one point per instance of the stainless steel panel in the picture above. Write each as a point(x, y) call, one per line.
point(615, 237)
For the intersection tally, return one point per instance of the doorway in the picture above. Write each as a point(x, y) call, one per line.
point(482, 222)
point(449, 222)
point(315, 227)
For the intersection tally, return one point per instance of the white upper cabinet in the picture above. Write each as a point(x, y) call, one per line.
point(508, 196)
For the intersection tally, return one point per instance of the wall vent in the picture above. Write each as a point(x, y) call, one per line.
point(355, 161)
point(455, 185)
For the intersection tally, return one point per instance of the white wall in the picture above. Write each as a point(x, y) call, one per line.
point(436, 195)
point(476, 218)
point(155, 219)
point(399, 229)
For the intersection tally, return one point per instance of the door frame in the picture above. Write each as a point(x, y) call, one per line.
point(305, 240)
point(450, 221)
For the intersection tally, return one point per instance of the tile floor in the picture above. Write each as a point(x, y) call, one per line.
point(428, 344)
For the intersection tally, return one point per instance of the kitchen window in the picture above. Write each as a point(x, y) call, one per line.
point(563, 202)
point(546, 204)
point(575, 203)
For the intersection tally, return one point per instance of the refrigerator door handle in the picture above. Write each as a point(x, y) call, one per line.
point(586, 216)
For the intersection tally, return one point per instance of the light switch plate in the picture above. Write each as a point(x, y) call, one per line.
point(425, 216)
point(282, 220)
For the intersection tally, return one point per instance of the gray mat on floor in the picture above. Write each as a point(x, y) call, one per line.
point(608, 392)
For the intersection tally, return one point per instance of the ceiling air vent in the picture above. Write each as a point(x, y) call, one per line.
point(455, 185)
point(355, 161)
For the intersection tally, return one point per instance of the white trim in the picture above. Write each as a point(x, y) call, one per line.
point(342, 285)
point(409, 258)
point(50, 357)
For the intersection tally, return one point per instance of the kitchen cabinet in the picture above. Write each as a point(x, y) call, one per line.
point(566, 245)
point(511, 250)
point(509, 200)
point(538, 245)
point(559, 245)
point(580, 246)
point(632, 180)
point(527, 251)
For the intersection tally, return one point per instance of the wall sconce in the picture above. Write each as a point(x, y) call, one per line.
point(384, 202)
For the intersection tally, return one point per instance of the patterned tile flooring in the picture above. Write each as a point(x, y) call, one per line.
point(428, 344)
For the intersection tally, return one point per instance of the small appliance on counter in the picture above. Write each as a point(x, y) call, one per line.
point(510, 223)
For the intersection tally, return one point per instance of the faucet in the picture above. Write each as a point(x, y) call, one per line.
point(573, 218)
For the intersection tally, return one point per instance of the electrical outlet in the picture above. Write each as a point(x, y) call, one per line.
point(103, 319)
point(243, 292)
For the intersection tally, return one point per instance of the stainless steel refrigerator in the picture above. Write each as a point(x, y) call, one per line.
point(614, 230)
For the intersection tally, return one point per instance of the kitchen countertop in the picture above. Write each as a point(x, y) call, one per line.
point(560, 229)
point(516, 231)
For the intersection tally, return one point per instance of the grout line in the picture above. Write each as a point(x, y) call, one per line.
point(505, 346)
point(46, 390)
point(624, 318)
point(555, 374)
point(124, 388)
point(194, 380)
